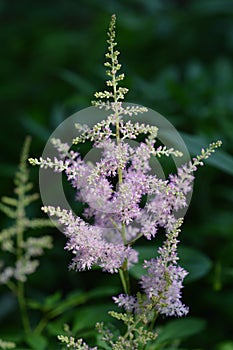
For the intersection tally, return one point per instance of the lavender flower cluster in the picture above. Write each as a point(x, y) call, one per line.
point(123, 199)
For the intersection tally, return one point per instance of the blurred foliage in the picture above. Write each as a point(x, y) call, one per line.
point(177, 56)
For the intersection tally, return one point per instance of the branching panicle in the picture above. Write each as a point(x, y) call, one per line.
point(123, 202)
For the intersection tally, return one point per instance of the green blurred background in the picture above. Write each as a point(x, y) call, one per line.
point(178, 60)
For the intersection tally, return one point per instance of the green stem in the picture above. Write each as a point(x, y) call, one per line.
point(133, 327)
point(152, 325)
point(135, 239)
point(23, 307)
point(124, 276)
point(57, 311)
point(41, 325)
point(12, 287)
point(115, 225)
point(20, 291)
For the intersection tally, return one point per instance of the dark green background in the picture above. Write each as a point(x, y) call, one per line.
point(177, 56)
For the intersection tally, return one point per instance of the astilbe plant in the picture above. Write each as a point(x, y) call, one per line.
point(116, 214)
point(20, 248)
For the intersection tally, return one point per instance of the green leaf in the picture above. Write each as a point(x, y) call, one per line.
point(195, 262)
point(35, 128)
point(226, 345)
point(52, 300)
point(145, 253)
point(137, 271)
point(34, 304)
point(220, 160)
point(77, 298)
point(220, 225)
point(102, 292)
point(101, 343)
point(37, 342)
point(72, 300)
point(47, 304)
point(8, 305)
point(210, 7)
point(88, 316)
point(77, 81)
point(180, 328)
point(57, 327)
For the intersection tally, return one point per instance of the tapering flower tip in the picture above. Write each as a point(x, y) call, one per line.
point(112, 24)
point(33, 161)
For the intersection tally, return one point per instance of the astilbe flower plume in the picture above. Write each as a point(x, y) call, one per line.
point(113, 190)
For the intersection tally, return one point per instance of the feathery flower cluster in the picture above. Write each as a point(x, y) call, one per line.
point(88, 245)
point(123, 200)
point(22, 251)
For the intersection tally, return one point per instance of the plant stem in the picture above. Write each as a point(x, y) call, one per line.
point(23, 307)
point(41, 325)
point(22, 178)
point(152, 325)
point(124, 276)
